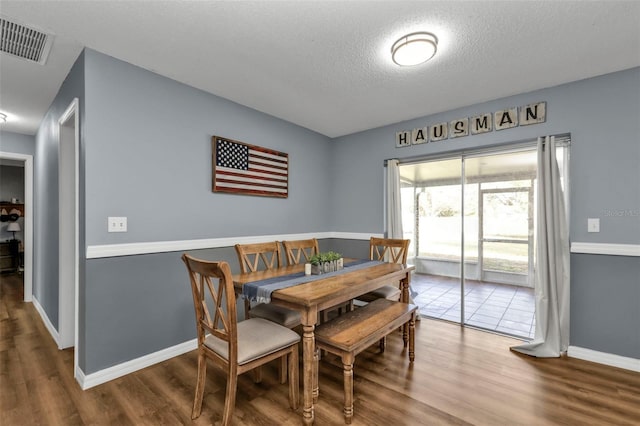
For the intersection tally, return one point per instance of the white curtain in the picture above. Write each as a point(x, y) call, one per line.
point(552, 260)
point(394, 210)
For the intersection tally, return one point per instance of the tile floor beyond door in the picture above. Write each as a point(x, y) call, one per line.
point(503, 308)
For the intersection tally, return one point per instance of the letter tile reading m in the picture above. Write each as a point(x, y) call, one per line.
point(481, 124)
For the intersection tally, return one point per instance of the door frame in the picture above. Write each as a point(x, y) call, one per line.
point(69, 235)
point(28, 219)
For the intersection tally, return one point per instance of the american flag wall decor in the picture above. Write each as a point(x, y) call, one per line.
point(241, 168)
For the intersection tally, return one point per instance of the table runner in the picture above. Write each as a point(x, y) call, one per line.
point(260, 291)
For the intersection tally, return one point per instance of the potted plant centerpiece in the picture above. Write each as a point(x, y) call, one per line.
point(322, 263)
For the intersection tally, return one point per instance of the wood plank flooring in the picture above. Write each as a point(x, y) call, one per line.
point(460, 377)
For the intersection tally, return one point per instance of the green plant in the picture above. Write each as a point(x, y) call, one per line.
point(319, 258)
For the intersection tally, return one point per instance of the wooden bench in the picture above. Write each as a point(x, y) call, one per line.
point(353, 332)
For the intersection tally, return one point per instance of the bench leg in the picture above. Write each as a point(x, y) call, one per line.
point(405, 334)
point(347, 366)
point(316, 387)
point(412, 337)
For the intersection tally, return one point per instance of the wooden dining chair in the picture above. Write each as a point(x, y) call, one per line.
point(300, 250)
point(257, 257)
point(235, 347)
point(386, 250)
point(261, 256)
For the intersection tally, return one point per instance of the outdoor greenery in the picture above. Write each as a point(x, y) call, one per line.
point(505, 217)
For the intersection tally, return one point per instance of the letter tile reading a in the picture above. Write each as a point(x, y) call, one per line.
point(506, 118)
point(419, 135)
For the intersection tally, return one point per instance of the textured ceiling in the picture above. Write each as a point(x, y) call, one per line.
point(325, 65)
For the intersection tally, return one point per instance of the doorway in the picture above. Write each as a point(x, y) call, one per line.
point(27, 161)
point(68, 222)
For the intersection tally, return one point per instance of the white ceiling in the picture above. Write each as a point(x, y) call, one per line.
point(325, 65)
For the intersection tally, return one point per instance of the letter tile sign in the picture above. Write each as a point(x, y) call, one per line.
point(482, 123)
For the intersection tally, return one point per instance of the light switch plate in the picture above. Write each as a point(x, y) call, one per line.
point(593, 224)
point(117, 224)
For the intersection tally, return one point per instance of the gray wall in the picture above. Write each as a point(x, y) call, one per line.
point(45, 256)
point(605, 300)
point(148, 157)
point(17, 143)
point(146, 154)
point(603, 116)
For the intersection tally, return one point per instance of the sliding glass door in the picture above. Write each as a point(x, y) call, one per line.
point(498, 234)
point(472, 219)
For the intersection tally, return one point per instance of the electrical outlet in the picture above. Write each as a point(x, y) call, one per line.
point(593, 224)
point(117, 224)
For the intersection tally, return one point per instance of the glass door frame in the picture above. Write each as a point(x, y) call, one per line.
point(463, 156)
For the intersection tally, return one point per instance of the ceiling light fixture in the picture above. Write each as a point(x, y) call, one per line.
point(3, 118)
point(414, 49)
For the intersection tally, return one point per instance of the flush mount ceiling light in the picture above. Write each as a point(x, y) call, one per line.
point(414, 48)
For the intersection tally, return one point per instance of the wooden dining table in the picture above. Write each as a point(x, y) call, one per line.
point(322, 293)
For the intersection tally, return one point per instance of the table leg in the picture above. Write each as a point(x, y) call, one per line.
point(308, 365)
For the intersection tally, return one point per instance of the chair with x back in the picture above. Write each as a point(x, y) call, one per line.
point(261, 256)
point(300, 250)
point(235, 347)
point(387, 250)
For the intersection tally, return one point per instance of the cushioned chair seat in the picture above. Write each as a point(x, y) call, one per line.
point(278, 314)
point(257, 337)
point(389, 292)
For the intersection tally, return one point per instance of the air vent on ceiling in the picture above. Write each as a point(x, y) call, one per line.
point(24, 42)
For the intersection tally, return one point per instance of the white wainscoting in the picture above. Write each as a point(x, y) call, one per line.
point(114, 250)
point(606, 249)
point(131, 249)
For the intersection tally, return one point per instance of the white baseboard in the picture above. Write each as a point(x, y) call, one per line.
point(130, 249)
point(94, 379)
point(45, 319)
point(612, 360)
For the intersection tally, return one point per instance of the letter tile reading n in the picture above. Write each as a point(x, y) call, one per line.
point(481, 124)
point(506, 119)
point(533, 113)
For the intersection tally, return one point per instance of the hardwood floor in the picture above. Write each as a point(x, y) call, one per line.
point(461, 376)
